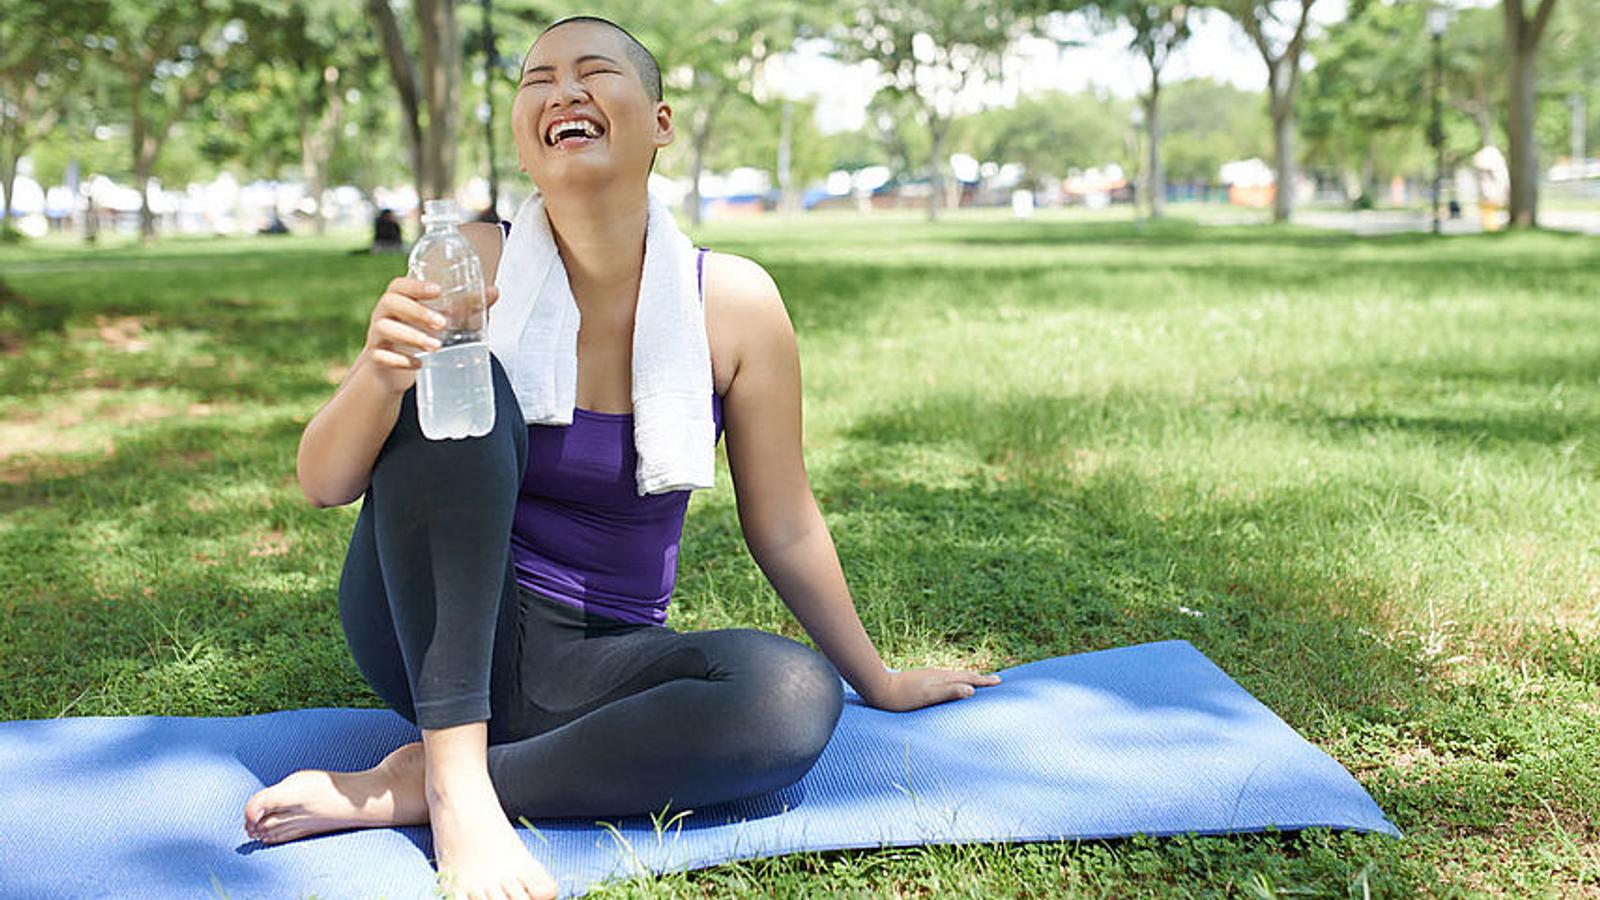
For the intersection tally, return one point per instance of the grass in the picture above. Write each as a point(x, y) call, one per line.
point(1369, 465)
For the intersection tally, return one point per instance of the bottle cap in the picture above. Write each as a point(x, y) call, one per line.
point(441, 210)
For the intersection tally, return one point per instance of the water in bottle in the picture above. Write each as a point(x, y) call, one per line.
point(455, 393)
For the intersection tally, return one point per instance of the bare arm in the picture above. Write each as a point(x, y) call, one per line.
point(778, 513)
point(341, 442)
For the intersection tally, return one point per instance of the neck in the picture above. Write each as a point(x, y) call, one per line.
point(600, 235)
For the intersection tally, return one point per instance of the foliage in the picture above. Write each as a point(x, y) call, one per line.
point(1049, 134)
point(1367, 97)
point(1208, 123)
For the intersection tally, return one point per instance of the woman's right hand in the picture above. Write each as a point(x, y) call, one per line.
point(402, 327)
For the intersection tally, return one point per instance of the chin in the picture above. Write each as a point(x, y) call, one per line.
point(580, 173)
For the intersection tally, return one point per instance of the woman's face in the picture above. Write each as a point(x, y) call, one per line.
point(581, 70)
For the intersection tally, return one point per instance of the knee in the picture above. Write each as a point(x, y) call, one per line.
point(797, 700)
point(489, 459)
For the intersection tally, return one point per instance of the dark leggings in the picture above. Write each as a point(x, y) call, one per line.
point(587, 715)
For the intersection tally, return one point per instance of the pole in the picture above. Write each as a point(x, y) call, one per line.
point(1438, 129)
point(488, 100)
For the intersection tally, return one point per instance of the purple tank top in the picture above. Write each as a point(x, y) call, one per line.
point(581, 534)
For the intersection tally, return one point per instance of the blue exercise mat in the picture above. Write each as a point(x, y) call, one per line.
point(1151, 739)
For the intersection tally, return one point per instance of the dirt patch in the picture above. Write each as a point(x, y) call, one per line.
point(80, 422)
point(273, 543)
point(45, 468)
point(125, 333)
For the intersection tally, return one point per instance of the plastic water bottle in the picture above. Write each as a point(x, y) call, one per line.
point(455, 391)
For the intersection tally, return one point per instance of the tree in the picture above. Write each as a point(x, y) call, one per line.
point(318, 44)
point(171, 53)
point(1209, 123)
point(429, 87)
point(1048, 134)
point(710, 56)
point(40, 62)
point(1474, 74)
point(930, 52)
point(764, 129)
point(1263, 22)
point(1159, 28)
point(1365, 105)
point(1522, 49)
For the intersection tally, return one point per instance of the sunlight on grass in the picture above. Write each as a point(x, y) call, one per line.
point(1358, 474)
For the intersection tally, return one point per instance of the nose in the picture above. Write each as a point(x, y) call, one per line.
point(568, 88)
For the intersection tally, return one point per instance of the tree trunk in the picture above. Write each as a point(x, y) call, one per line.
point(1522, 160)
point(1156, 183)
point(405, 82)
point(935, 169)
point(10, 152)
point(147, 219)
point(440, 59)
point(1283, 79)
point(1522, 47)
point(316, 145)
point(139, 134)
point(8, 184)
point(700, 141)
point(1283, 160)
point(785, 142)
point(148, 138)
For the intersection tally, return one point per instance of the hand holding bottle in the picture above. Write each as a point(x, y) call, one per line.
point(455, 390)
point(402, 326)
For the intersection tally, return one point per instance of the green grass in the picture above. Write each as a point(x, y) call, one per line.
point(1370, 465)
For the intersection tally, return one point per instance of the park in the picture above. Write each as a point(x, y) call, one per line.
point(1066, 390)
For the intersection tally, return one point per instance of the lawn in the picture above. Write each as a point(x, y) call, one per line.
point(1359, 474)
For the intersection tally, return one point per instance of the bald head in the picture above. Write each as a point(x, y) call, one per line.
point(644, 62)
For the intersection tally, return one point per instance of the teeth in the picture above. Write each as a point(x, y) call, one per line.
point(579, 126)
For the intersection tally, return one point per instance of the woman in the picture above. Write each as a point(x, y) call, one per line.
point(543, 677)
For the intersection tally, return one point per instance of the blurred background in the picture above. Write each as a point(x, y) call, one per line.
point(123, 120)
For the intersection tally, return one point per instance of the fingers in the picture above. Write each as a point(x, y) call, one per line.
point(395, 360)
point(412, 287)
point(965, 684)
point(407, 309)
point(402, 337)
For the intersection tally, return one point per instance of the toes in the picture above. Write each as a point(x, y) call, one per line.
point(256, 807)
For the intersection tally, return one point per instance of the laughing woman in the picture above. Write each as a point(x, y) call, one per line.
point(507, 593)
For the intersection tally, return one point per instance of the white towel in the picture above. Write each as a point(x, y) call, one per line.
point(533, 331)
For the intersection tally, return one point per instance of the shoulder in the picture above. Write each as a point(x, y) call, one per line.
point(741, 290)
point(744, 301)
point(486, 238)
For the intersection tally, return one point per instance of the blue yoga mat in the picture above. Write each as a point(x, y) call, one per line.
point(1151, 739)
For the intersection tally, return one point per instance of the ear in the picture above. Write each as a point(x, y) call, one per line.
point(665, 130)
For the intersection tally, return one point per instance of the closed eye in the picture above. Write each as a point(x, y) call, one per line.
point(586, 75)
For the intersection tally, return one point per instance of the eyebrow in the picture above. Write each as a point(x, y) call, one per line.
point(580, 60)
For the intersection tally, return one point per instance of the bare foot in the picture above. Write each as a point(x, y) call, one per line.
point(479, 853)
point(313, 801)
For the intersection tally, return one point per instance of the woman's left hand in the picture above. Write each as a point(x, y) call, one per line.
point(915, 688)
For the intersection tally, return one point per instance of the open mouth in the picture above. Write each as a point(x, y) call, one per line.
point(573, 133)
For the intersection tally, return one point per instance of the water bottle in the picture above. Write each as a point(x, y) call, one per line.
point(455, 392)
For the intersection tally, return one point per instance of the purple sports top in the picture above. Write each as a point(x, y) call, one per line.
point(582, 535)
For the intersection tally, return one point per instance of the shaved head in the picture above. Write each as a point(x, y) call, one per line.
point(644, 62)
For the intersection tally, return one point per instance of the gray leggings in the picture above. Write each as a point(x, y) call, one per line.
point(587, 715)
